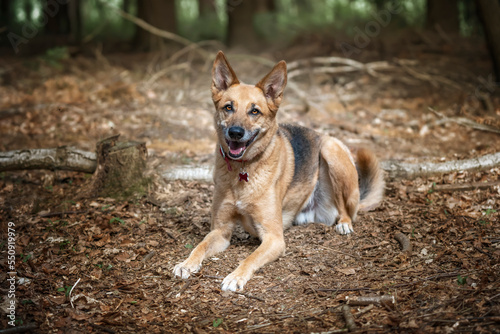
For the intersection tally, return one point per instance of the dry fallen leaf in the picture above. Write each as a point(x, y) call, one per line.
point(346, 271)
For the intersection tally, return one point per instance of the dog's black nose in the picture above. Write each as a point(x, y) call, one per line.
point(236, 132)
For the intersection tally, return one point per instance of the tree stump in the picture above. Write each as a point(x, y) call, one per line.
point(120, 170)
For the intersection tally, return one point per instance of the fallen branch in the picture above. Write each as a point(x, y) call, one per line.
point(61, 158)
point(19, 329)
point(364, 310)
point(467, 122)
point(338, 290)
point(369, 300)
point(309, 66)
point(349, 319)
point(404, 242)
point(459, 187)
point(402, 170)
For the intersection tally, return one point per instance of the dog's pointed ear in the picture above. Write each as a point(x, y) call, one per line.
point(273, 84)
point(223, 75)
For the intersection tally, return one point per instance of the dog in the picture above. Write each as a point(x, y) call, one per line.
point(269, 176)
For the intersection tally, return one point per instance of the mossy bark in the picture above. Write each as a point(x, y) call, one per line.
point(120, 170)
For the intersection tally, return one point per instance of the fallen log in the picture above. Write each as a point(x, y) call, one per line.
point(61, 158)
point(402, 170)
point(72, 159)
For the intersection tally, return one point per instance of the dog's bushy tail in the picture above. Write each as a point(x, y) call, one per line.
point(371, 179)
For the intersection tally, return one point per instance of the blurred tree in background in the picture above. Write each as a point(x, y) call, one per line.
point(250, 24)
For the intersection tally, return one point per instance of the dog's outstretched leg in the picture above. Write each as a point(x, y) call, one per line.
point(272, 247)
point(269, 250)
point(216, 241)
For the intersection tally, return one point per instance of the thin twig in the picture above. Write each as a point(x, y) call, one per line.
point(466, 122)
point(340, 290)
point(70, 291)
point(184, 287)
point(149, 256)
point(249, 296)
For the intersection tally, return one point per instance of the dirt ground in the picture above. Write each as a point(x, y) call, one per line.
point(105, 266)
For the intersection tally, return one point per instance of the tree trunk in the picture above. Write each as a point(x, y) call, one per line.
point(206, 7)
point(120, 170)
point(443, 14)
point(5, 14)
point(76, 21)
point(489, 12)
point(160, 14)
point(58, 18)
point(240, 28)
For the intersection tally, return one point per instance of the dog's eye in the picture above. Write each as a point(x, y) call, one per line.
point(228, 108)
point(255, 111)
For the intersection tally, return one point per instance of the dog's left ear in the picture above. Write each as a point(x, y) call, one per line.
point(273, 85)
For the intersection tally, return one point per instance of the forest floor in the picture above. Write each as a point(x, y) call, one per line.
point(122, 253)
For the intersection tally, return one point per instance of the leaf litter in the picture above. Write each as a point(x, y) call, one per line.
point(122, 253)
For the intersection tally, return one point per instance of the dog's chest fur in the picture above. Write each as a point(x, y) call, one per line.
point(286, 171)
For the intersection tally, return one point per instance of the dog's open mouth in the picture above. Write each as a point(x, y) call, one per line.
point(238, 148)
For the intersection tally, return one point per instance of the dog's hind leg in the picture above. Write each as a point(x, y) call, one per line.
point(337, 167)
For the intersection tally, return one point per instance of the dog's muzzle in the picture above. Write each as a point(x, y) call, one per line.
point(238, 139)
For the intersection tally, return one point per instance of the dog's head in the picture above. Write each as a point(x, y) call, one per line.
point(245, 115)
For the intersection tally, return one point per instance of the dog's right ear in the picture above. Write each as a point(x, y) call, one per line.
point(223, 75)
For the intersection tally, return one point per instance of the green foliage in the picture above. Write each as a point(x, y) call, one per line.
point(25, 257)
point(462, 280)
point(290, 19)
point(217, 322)
point(488, 212)
point(54, 56)
point(116, 219)
point(66, 289)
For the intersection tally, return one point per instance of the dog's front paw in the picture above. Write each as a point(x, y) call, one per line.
point(234, 282)
point(184, 269)
point(344, 228)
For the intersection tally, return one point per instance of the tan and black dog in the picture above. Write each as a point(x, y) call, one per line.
point(269, 176)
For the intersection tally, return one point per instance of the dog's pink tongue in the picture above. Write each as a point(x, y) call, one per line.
point(236, 148)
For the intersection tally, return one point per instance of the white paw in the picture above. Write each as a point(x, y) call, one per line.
point(344, 228)
point(183, 270)
point(233, 282)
